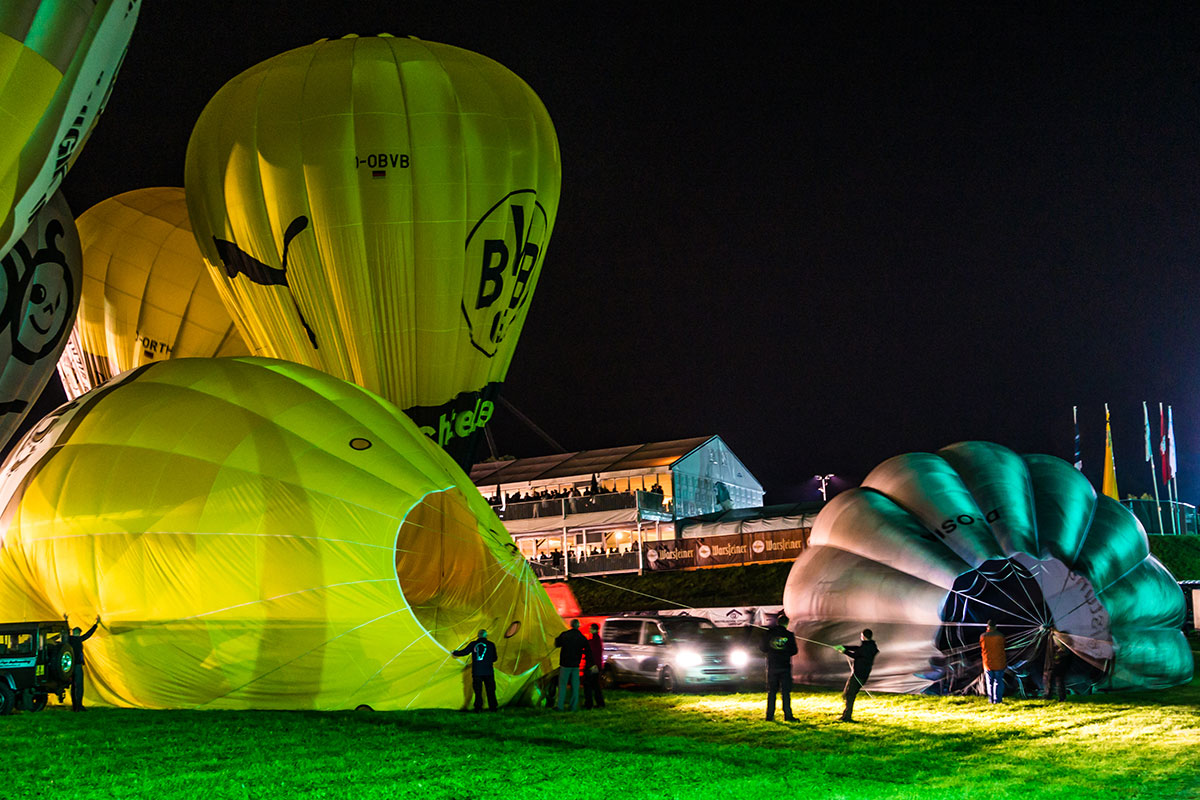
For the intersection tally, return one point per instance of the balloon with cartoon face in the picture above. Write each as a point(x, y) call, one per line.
point(40, 279)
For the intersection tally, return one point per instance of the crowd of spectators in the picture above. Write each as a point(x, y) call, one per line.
point(554, 558)
point(540, 495)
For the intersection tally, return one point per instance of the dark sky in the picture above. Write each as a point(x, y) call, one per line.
point(829, 234)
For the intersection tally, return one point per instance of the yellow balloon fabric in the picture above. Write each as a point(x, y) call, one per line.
point(58, 61)
point(257, 534)
point(379, 208)
point(39, 293)
point(147, 294)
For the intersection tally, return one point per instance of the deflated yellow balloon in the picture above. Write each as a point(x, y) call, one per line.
point(257, 534)
point(147, 294)
point(58, 60)
point(379, 208)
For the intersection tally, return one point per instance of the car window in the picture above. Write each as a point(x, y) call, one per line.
point(622, 631)
point(16, 644)
point(652, 630)
point(688, 628)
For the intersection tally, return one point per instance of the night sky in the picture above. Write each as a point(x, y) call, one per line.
point(828, 235)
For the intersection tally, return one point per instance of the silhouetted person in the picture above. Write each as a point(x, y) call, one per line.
point(1058, 663)
point(863, 657)
point(995, 661)
point(780, 645)
point(593, 665)
point(483, 674)
point(572, 643)
point(76, 640)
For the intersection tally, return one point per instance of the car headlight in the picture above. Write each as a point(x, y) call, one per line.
point(739, 657)
point(688, 658)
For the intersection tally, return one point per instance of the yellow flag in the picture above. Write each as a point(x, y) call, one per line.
point(1110, 467)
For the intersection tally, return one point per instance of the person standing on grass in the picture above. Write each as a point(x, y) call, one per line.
point(995, 661)
point(862, 657)
point(1058, 663)
point(780, 645)
point(483, 674)
point(593, 663)
point(572, 643)
point(76, 638)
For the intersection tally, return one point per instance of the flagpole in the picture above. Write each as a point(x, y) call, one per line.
point(1164, 447)
point(1150, 458)
point(1174, 467)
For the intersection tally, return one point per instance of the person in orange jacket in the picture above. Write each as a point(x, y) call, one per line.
point(995, 661)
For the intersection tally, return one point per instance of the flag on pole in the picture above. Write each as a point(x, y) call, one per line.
point(1078, 455)
point(1146, 420)
point(1162, 442)
point(1110, 466)
point(1170, 444)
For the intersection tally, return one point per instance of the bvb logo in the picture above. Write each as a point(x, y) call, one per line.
point(504, 254)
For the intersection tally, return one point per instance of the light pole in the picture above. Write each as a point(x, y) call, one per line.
point(824, 480)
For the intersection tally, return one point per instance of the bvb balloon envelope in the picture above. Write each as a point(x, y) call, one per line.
point(58, 61)
point(935, 545)
point(38, 298)
point(379, 208)
point(257, 534)
point(147, 294)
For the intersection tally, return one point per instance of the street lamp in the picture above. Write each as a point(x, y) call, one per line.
point(824, 480)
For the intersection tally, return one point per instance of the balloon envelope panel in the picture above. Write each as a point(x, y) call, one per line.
point(58, 61)
point(379, 208)
point(147, 294)
point(935, 545)
point(39, 295)
point(256, 534)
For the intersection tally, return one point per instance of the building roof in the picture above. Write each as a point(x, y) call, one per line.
point(585, 462)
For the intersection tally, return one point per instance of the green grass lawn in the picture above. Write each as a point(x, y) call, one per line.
point(645, 744)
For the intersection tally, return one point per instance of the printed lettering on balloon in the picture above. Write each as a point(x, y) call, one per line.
point(238, 262)
point(504, 256)
point(39, 296)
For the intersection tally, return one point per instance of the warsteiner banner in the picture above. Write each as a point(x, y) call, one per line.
point(738, 548)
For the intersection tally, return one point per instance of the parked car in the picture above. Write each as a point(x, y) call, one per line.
point(36, 661)
point(671, 653)
point(748, 638)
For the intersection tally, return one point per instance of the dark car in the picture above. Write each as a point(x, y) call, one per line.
point(36, 661)
point(671, 652)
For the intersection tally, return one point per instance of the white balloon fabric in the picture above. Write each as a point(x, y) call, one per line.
point(39, 296)
point(932, 546)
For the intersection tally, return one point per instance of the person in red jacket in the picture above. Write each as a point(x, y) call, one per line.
point(995, 661)
point(593, 664)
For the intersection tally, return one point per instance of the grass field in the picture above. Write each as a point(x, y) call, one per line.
point(650, 745)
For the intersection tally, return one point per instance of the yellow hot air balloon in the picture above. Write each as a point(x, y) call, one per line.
point(39, 292)
point(58, 60)
point(379, 208)
point(258, 534)
point(147, 294)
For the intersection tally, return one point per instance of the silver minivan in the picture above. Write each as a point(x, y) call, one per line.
point(672, 653)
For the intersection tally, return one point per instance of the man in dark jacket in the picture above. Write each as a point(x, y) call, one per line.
point(593, 663)
point(1058, 664)
point(780, 645)
point(483, 674)
point(572, 643)
point(863, 656)
point(76, 639)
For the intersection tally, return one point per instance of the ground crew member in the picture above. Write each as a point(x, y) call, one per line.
point(76, 640)
point(991, 642)
point(780, 645)
point(863, 657)
point(483, 674)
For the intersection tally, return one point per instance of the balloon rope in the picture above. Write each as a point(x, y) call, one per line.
point(998, 608)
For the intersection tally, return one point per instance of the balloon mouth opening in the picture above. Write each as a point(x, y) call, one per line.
point(1012, 593)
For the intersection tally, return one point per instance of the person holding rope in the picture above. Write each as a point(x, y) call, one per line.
point(780, 645)
point(862, 657)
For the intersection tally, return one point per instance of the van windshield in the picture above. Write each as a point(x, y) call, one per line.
point(688, 628)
